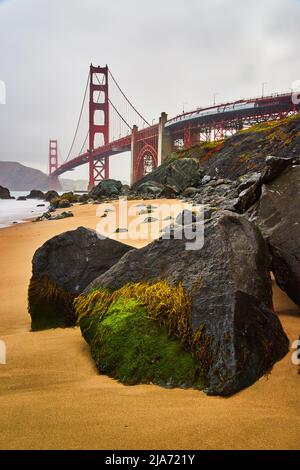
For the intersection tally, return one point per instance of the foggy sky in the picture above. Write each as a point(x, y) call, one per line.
point(166, 54)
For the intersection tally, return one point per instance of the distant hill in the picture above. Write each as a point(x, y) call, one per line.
point(18, 177)
point(74, 185)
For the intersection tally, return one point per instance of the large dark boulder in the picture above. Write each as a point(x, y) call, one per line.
point(50, 195)
point(71, 197)
point(63, 204)
point(151, 187)
point(248, 197)
point(4, 193)
point(107, 188)
point(275, 166)
point(36, 194)
point(234, 333)
point(62, 268)
point(178, 174)
point(278, 216)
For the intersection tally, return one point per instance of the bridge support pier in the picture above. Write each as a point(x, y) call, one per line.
point(98, 171)
point(133, 154)
point(54, 184)
point(149, 147)
point(164, 140)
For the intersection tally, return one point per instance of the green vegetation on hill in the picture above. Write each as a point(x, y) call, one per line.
point(268, 126)
point(246, 151)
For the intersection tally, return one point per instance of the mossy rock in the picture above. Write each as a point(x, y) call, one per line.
point(62, 268)
point(216, 301)
point(70, 197)
point(50, 306)
point(132, 348)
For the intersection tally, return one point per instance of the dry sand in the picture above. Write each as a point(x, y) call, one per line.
point(51, 396)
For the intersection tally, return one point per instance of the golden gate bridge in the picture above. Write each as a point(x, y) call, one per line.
point(114, 130)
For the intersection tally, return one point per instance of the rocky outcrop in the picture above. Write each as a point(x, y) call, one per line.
point(233, 331)
point(150, 188)
point(277, 214)
point(36, 194)
point(61, 216)
point(50, 195)
point(176, 174)
point(62, 268)
point(4, 193)
point(246, 151)
point(71, 197)
point(275, 166)
point(107, 188)
point(63, 204)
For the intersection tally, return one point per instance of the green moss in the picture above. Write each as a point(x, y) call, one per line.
point(170, 306)
point(170, 158)
point(139, 332)
point(72, 198)
point(212, 145)
point(132, 348)
point(49, 306)
point(269, 126)
point(201, 151)
point(245, 157)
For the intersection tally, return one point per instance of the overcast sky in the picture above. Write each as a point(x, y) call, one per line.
point(166, 54)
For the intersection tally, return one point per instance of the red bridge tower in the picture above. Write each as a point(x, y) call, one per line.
point(98, 168)
point(53, 156)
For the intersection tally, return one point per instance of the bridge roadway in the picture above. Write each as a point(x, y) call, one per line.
point(214, 121)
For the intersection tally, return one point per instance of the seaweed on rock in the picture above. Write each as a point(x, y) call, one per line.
point(50, 306)
point(141, 333)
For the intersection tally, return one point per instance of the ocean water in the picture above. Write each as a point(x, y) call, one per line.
point(13, 211)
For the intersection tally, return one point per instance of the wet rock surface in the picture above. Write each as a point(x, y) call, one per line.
point(277, 214)
point(62, 268)
point(171, 178)
point(36, 194)
point(107, 188)
point(230, 285)
point(4, 193)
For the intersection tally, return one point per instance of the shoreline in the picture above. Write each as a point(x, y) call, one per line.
point(20, 212)
point(53, 398)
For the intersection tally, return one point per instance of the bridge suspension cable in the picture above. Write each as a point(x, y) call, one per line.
point(84, 143)
point(128, 101)
point(88, 132)
point(79, 119)
point(115, 109)
point(128, 121)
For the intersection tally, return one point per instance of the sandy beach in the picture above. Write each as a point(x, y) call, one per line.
point(51, 396)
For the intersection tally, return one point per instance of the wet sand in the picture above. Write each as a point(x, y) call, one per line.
point(51, 396)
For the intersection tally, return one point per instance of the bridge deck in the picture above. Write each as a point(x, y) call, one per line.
point(235, 114)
